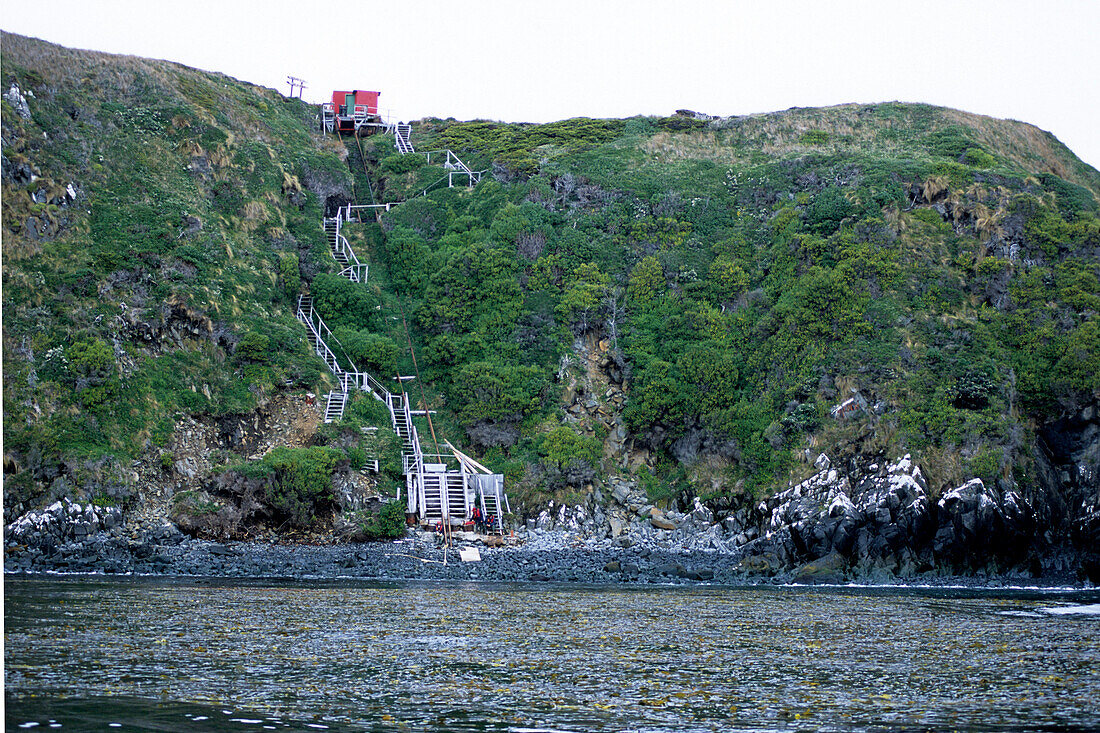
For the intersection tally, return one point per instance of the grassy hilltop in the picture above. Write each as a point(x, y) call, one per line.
point(675, 300)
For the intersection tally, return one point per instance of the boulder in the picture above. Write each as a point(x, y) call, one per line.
point(615, 526)
point(828, 569)
point(673, 569)
point(759, 565)
point(621, 492)
point(659, 520)
point(700, 513)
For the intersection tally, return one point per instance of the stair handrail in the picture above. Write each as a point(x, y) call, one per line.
point(452, 160)
point(355, 271)
point(414, 462)
point(377, 386)
point(322, 349)
point(412, 456)
point(404, 144)
point(359, 377)
point(474, 176)
point(455, 162)
point(472, 466)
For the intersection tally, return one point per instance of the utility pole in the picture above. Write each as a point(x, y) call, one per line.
point(294, 81)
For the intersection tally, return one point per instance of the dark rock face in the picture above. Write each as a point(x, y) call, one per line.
point(874, 523)
point(19, 172)
point(884, 519)
point(885, 525)
point(828, 569)
point(1069, 505)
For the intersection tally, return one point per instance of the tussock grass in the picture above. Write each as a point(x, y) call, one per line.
point(890, 129)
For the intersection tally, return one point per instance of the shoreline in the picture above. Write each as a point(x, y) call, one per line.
point(551, 558)
point(951, 583)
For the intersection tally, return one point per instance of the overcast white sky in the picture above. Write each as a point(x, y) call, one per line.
point(518, 60)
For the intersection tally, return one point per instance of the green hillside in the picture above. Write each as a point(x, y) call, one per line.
point(196, 209)
point(677, 300)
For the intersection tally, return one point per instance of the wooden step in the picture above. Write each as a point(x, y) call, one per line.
point(334, 407)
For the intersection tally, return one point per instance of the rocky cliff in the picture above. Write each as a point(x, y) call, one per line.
point(676, 316)
point(875, 521)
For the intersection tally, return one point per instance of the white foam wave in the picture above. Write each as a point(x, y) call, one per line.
point(1090, 609)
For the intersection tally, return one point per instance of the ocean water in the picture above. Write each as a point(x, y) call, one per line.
point(91, 653)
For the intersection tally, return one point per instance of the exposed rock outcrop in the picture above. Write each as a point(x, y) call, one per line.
point(882, 521)
point(875, 522)
point(63, 520)
point(18, 101)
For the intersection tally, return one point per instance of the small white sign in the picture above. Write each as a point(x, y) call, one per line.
point(469, 554)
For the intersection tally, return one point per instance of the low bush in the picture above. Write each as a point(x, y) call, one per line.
point(386, 523)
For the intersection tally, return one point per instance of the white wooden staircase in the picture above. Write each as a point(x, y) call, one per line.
point(401, 134)
point(341, 250)
point(439, 487)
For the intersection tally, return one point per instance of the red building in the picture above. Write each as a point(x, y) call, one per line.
point(350, 111)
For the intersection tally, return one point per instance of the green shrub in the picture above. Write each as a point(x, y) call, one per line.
point(986, 464)
point(804, 418)
point(387, 523)
point(828, 210)
point(1079, 367)
point(490, 392)
point(951, 142)
point(814, 137)
point(647, 281)
point(370, 352)
point(357, 457)
point(253, 347)
point(1072, 199)
point(657, 490)
point(978, 158)
point(297, 482)
point(567, 458)
point(289, 275)
point(639, 126)
point(562, 445)
point(972, 391)
point(401, 164)
point(91, 358)
point(345, 303)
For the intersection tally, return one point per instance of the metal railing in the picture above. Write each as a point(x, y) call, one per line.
point(316, 324)
point(361, 116)
point(364, 382)
point(401, 134)
point(355, 270)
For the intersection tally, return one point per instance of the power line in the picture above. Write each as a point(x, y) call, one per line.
point(294, 81)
